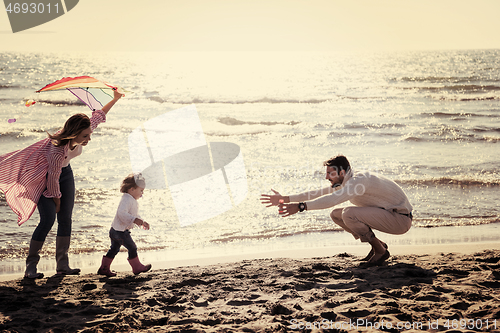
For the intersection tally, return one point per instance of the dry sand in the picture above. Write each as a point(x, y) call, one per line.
point(449, 291)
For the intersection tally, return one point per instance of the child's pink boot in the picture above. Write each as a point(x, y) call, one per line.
point(105, 267)
point(137, 267)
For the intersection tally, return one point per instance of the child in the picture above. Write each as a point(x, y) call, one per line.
point(126, 216)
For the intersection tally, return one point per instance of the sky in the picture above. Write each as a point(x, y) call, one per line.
point(262, 25)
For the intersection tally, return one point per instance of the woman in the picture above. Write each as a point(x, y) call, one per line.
point(41, 176)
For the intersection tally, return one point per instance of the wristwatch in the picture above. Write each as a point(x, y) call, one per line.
point(302, 206)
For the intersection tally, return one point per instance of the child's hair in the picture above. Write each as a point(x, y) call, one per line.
point(131, 181)
point(72, 128)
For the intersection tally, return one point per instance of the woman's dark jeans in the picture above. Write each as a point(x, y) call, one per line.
point(47, 208)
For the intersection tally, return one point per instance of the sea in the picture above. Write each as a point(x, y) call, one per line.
point(429, 120)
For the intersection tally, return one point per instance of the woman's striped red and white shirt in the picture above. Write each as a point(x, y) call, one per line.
point(27, 173)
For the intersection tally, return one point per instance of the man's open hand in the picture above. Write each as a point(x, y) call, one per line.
point(272, 200)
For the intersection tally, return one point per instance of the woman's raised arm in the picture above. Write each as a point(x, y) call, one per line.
point(110, 104)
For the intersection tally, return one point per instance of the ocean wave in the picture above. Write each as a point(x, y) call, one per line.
point(15, 86)
point(337, 134)
point(363, 97)
point(60, 102)
point(265, 100)
point(235, 122)
point(228, 134)
point(446, 114)
point(9, 135)
point(462, 99)
point(374, 126)
point(444, 79)
point(452, 134)
point(482, 129)
point(90, 194)
point(465, 182)
point(157, 99)
point(453, 221)
point(468, 88)
point(270, 234)
point(490, 139)
point(25, 134)
point(456, 114)
point(451, 138)
point(416, 139)
point(419, 222)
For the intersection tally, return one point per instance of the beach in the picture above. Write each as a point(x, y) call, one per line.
point(426, 119)
point(225, 103)
point(445, 288)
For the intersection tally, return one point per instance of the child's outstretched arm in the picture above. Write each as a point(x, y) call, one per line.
point(142, 223)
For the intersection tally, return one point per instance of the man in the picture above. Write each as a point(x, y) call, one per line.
point(379, 203)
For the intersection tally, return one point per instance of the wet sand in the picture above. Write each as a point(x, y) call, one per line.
point(448, 288)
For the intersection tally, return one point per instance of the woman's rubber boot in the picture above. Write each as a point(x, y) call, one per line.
point(32, 260)
point(105, 267)
point(137, 267)
point(62, 247)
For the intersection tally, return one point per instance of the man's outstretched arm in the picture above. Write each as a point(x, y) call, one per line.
point(273, 199)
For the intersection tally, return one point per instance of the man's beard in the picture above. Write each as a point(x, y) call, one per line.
point(334, 185)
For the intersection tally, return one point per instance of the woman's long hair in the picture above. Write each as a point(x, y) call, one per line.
point(72, 128)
